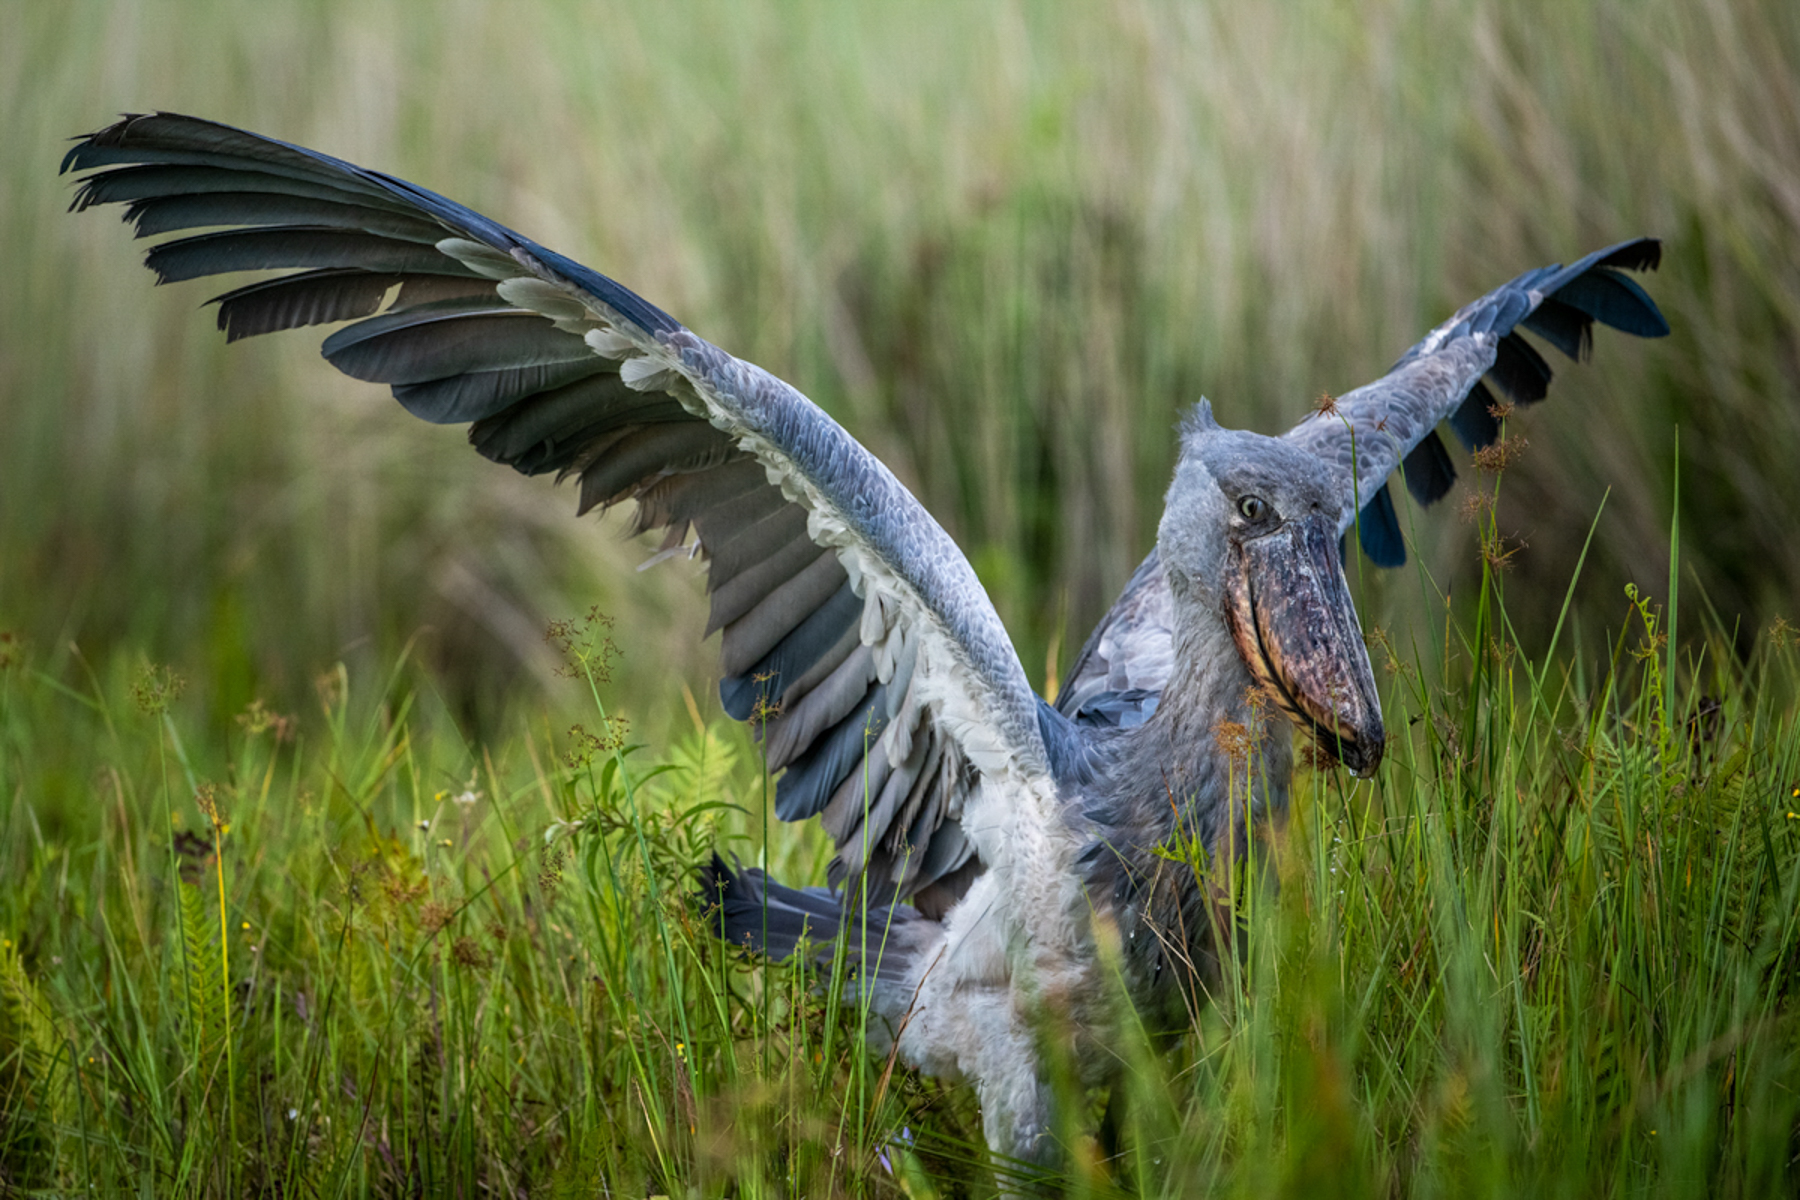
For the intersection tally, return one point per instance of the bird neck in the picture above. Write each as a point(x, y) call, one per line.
point(1224, 741)
point(1212, 759)
point(1188, 787)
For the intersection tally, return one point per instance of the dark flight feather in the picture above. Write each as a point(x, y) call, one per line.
point(1428, 470)
point(167, 214)
point(473, 395)
point(816, 636)
point(284, 246)
point(309, 298)
point(1474, 422)
point(1378, 529)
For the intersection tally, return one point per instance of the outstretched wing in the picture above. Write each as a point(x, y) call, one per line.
point(1392, 422)
point(855, 634)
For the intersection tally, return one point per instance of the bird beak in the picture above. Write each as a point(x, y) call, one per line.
point(1290, 613)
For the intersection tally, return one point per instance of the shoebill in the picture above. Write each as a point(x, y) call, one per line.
point(1000, 836)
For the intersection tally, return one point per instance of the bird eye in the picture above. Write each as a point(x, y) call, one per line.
point(1251, 508)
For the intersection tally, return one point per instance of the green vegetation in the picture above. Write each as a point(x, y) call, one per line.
point(357, 908)
point(1552, 949)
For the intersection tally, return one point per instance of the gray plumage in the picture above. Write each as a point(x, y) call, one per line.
point(997, 836)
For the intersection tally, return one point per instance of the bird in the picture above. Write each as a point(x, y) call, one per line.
point(989, 844)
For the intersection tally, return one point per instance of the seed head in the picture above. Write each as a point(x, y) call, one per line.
point(1233, 740)
point(155, 689)
point(1497, 457)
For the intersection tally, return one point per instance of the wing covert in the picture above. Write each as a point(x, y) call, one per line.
point(1118, 677)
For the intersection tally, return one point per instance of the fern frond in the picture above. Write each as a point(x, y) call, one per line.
point(205, 983)
point(42, 1049)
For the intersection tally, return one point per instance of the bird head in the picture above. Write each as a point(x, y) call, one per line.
point(1250, 529)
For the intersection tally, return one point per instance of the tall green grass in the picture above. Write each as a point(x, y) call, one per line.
point(1553, 948)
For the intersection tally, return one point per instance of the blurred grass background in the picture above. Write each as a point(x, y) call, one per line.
point(1005, 244)
point(1551, 950)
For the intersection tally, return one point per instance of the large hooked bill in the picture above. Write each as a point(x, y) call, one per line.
point(1294, 623)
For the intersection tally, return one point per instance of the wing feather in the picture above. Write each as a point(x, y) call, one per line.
point(796, 689)
point(740, 539)
point(167, 214)
point(847, 762)
point(551, 430)
point(1428, 469)
point(682, 498)
point(761, 685)
point(310, 298)
point(293, 246)
point(754, 634)
point(820, 707)
point(743, 592)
